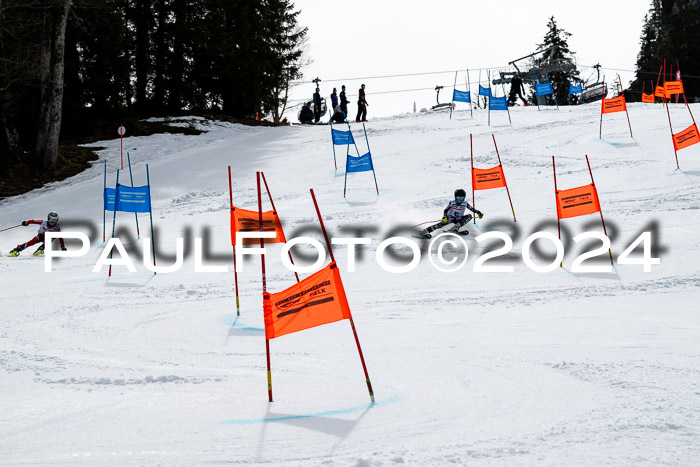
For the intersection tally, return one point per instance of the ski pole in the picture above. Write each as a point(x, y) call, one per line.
point(426, 222)
point(13, 227)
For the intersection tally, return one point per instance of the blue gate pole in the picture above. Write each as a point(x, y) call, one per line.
point(534, 82)
point(469, 89)
point(353, 142)
point(369, 151)
point(150, 213)
point(478, 96)
point(452, 104)
point(136, 216)
point(488, 76)
point(333, 144)
point(104, 212)
point(345, 185)
point(114, 218)
point(504, 95)
point(554, 94)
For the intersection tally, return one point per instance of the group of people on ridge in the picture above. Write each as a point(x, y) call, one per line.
point(339, 105)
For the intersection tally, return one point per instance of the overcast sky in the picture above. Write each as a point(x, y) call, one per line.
point(354, 42)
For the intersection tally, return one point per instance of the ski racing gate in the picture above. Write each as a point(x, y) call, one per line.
point(359, 163)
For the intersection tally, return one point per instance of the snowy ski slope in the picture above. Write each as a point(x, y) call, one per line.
point(468, 368)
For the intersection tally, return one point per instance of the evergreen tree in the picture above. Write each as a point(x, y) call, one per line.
point(286, 39)
point(670, 32)
point(136, 58)
point(558, 61)
point(683, 44)
point(653, 46)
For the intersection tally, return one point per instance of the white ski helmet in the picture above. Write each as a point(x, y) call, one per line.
point(52, 218)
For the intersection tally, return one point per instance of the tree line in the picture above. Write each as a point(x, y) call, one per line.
point(67, 63)
point(671, 31)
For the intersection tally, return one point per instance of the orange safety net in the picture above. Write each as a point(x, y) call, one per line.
point(673, 87)
point(318, 299)
point(243, 220)
point(577, 201)
point(485, 179)
point(659, 91)
point(616, 104)
point(686, 138)
point(648, 98)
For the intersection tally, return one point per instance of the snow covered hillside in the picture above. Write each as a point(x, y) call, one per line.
point(476, 368)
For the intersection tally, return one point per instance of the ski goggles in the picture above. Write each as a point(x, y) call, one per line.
point(459, 198)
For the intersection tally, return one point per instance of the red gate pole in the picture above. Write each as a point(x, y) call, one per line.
point(684, 99)
point(264, 287)
point(235, 271)
point(504, 176)
point(471, 150)
point(671, 126)
point(556, 196)
point(275, 211)
point(352, 323)
point(121, 146)
point(605, 231)
point(626, 113)
point(602, 105)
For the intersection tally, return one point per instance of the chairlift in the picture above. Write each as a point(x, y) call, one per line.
point(440, 106)
point(594, 91)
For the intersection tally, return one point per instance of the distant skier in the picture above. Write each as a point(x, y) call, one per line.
point(334, 98)
point(317, 105)
point(516, 87)
point(454, 213)
point(678, 78)
point(338, 115)
point(343, 100)
point(361, 106)
point(49, 225)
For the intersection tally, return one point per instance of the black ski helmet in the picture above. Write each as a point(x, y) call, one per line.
point(52, 218)
point(343, 87)
point(460, 192)
point(363, 86)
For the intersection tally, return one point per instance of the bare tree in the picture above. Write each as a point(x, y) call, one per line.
point(51, 71)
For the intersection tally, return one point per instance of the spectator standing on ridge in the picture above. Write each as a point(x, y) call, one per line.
point(334, 99)
point(317, 105)
point(343, 101)
point(361, 106)
point(516, 87)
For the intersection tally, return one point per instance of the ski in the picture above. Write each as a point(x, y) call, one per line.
point(444, 229)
